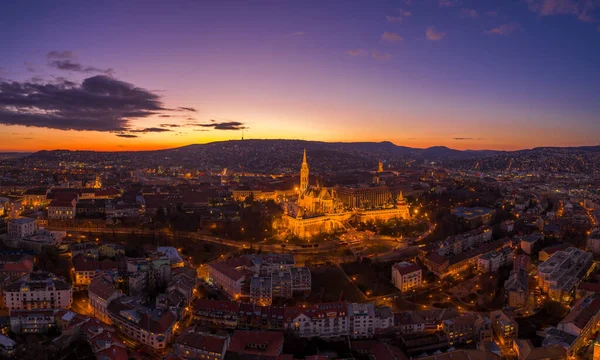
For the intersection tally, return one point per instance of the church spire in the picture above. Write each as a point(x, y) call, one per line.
point(304, 174)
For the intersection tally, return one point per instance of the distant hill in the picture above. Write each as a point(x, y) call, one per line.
point(286, 155)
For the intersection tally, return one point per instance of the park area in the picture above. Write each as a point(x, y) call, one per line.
point(373, 278)
point(329, 283)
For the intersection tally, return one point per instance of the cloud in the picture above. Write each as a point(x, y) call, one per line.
point(469, 13)
point(504, 29)
point(69, 65)
point(491, 13)
point(447, 3)
point(400, 17)
point(434, 35)
point(582, 9)
point(381, 56)
point(60, 55)
point(391, 37)
point(227, 125)
point(149, 130)
point(357, 52)
point(64, 60)
point(466, 138)
point(128, 136)
point(170, 125)
point(29, 66)
point(99, 103)
point(164, 116)
point(297, 33)
point(190, 109)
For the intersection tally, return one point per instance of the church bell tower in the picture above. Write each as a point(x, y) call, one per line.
point(304, 174)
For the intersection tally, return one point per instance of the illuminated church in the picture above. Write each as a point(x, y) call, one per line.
point(326, 209)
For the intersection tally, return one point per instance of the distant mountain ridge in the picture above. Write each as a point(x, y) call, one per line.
point(285, 155)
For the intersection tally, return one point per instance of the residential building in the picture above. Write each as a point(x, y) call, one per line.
point(87, 268)
point(493, 260)
point(21, 227)
point(111, 250)
point(517, 288)
point(301, 278)
point(85, 248)
point(31, 321)
point(62, 208)
point(38, 290)
point(265, 345)
point(261, 289)
point(384, 319)
point(281, 283)
point(505, 329)
point(559, 275)
point(195, 344)
point(226, 278)
point(216, 312)
point(361, 318)
point(100, 293)
point(409, 322)
point(467, 328)
point(153, 328)
point(7, 346)
point(582, 321)
point(406, 276)
point(326, 320)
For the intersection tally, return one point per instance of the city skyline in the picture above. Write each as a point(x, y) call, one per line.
point(140, 76)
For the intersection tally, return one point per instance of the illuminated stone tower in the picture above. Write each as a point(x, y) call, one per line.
point(380, 167)
point(304, 174)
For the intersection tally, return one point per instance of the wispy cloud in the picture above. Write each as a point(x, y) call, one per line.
point(504, 29)
point(297, 33)
point(466, 138)
point(382, 56)
point(225, 125)
point(469, 13)
point(63, 60)
point(391, 37)
point(127, 136)
point(357, 52)
point(190, 109)
point(448, 3)
point(29, 66)
point(582, 9)
point(434, 35)
point(400, 17)
point(491, 13)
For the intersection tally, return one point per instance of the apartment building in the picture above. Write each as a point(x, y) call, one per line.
point(31, 321)
point(38, 290)
point(21, 227)
point(326, 320)
point(100, 293)
point(559, 275)
point(153, 328)
point(406, 276)
point(361, 319)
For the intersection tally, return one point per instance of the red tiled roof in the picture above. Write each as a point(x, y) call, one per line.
point(403, 270)
point(216, 305)
point(586, 286)
point(228, 271)
point(113, 353)
point(387, 352)
point(270, 342)
point(201, 341)
point(101, 288)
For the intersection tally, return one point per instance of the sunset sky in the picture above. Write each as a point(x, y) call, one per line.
point(146, 74)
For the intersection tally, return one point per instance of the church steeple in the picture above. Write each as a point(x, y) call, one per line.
point(304, 174)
